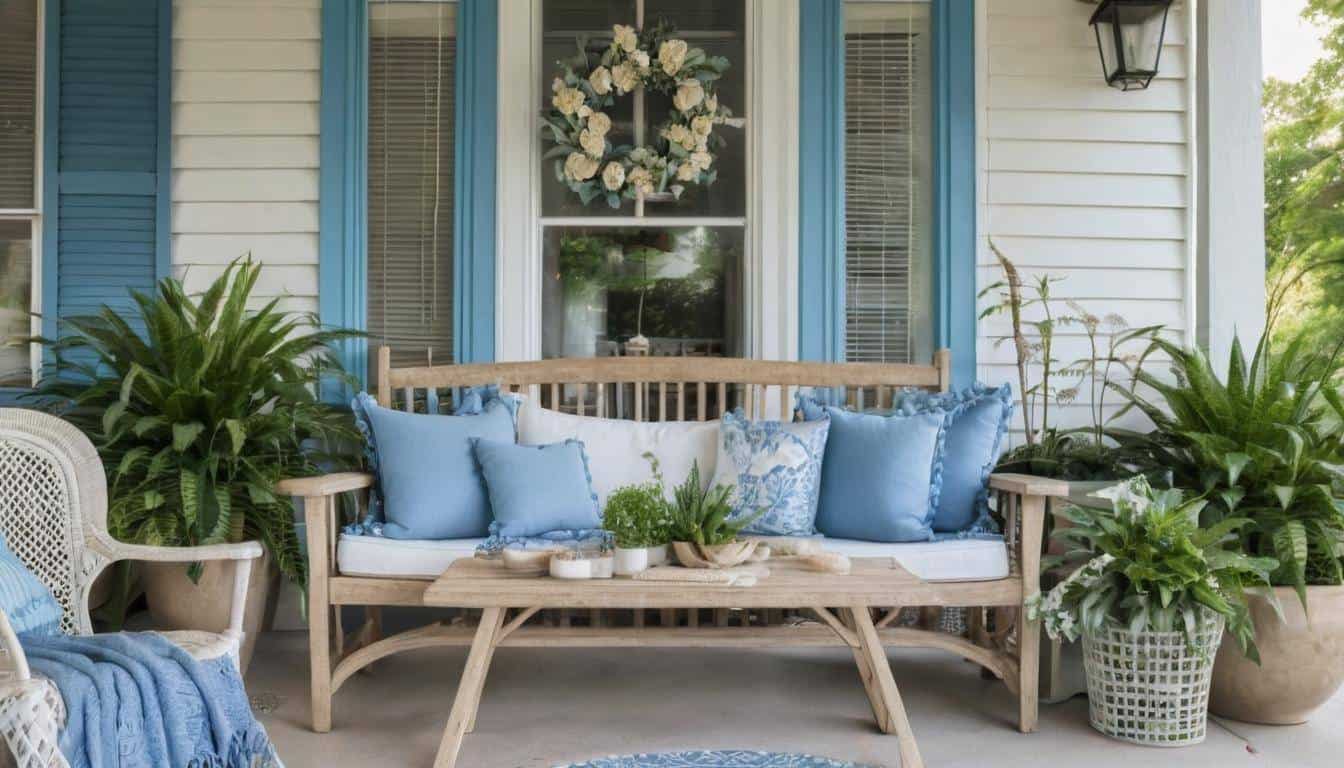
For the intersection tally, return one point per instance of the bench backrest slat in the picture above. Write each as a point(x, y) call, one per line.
point(656, 388)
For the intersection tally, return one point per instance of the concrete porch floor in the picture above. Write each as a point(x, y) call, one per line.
point(544, 707)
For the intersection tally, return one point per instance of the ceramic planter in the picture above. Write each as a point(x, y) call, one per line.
point(733, 553)
point(629, 561)
point(176, 603)
point(1301, 660)
point(582, 568)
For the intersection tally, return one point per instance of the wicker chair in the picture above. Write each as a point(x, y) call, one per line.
point(53, 514)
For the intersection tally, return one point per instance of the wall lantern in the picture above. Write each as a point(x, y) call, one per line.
point(1129, 37)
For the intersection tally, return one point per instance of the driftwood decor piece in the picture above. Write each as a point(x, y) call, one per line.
point(1000, 638)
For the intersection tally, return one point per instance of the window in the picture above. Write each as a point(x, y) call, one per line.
point(669, 282)
point(20, 220)
point(412, 59)
point(888, 183)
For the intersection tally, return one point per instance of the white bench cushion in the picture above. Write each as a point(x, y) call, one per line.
point(948, 560)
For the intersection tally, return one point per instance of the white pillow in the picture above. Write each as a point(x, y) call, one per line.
point(616, 447)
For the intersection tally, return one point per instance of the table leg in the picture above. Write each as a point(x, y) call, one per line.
point(884, 685)
point(470, 688)
point(866, 674)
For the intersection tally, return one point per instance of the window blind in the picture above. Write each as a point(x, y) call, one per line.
point(412, 63)
point(18, 102)
point(886, 195)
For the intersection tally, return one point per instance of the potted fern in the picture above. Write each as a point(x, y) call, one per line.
point(1264, 443)
point(1150, 602)
point(198, 407)
point(704, 531)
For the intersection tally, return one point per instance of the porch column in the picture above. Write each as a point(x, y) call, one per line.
point(1230, 259)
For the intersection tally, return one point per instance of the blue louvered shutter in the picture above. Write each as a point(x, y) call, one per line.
point(108, 163)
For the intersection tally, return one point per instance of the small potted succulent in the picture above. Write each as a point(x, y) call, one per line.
point(1151, 603)
point(704, 533)
point(638, 519)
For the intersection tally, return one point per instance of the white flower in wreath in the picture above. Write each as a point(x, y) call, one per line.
point(568, 100)
point(642, 156)
point(712, 104)
point(580, 167)
point(641, 60)
point(701, 160)
point(613, 176)
point(600, 79)
point(689, 95)
point(599, 123)
point(702, 125)
point(624, 77)
point(625, 37)
point(686, 172)
point(594, 143)
point(584, 111)
point(679, 134)
point(641, 179)
point(671, 55)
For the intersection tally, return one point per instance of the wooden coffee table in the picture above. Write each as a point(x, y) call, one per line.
point(873, 583)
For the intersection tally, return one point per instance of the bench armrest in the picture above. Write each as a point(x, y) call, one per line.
point(247, 550)
point(325, 485)
point(1025, 518)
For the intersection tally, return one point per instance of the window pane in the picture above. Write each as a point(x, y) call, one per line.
point(412, 61)
point(18, 101)
point(888, 183)
point(16, 291)
point(719, 29)
point(679, 288)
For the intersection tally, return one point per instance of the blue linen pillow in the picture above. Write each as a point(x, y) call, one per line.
point(428, 480)
point(26, 601)
point(537, 489)
point(879, 480)
point(774, 468)
point(979, 417)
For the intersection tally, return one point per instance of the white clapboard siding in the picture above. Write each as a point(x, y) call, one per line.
point(246, 91)
point(1081, 181)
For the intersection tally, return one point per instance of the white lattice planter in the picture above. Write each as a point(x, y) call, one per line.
point(1151, 688)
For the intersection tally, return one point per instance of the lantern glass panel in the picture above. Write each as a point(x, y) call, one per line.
point(1141, 36)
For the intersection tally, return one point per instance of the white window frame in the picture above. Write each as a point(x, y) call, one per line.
point(33, 215)
point(771, 238)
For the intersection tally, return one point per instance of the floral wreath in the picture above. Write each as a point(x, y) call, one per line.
point(685, 143)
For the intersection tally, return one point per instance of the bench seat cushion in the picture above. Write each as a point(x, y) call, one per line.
point(971, 559)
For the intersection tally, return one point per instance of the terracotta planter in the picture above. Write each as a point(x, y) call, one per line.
point(1302, 660)
point(176, 603)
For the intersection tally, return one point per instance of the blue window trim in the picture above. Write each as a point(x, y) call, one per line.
point(821, 235)
point(343, 188)
point(163, 253)
point(51, 115)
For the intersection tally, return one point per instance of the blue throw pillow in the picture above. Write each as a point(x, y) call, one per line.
point(879, 480)
point(26, 601)
point(979, 417)
point(430, 485)
point(537, 489)
point(773, 468)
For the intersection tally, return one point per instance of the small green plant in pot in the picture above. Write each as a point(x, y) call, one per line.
point(1150, 601)
point(198, 407)
point(704, 531)
point(639, 520)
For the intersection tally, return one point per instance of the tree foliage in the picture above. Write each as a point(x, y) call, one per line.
point(1304, 181)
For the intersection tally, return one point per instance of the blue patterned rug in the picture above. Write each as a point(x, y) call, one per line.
point(717, 759)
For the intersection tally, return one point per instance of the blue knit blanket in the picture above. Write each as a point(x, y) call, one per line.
point(137, 700)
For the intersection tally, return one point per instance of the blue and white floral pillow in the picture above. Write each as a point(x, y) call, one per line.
point(774, 468)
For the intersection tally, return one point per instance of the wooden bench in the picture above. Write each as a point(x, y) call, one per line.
point(1000, 639)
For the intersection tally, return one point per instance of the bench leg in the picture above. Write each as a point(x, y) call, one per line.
point(470, 688)
point(874, 666)
point(319, 611)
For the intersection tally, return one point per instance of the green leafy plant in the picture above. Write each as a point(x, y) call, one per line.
point(637, 515)
point(1151, 567)
point(1034, 321)
point(702, 517)
point(1265, 443)
point(198, 407)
